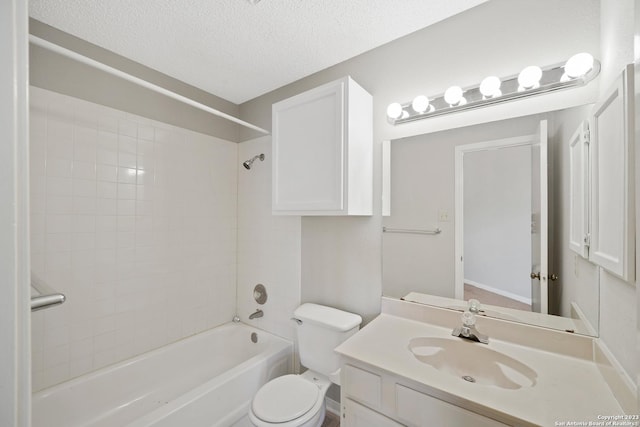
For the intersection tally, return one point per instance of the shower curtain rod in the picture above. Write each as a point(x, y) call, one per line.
point(114, 71)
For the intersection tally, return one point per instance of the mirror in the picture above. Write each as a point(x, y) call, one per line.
point(501, 239)
point(433, 246)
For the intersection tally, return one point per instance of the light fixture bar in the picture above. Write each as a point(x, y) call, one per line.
point(553, 78)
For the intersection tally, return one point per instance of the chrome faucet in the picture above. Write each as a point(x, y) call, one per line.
point(258, 313)
point(468, 329)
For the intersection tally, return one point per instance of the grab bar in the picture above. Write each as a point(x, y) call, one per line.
point(47, 297)
point(410, 231)
point(46, 301)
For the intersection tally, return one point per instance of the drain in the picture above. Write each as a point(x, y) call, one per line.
point(469, 378)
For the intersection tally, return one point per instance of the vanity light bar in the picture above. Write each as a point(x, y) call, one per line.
point(579, 70)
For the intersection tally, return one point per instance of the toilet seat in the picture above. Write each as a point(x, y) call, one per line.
point(284, 399)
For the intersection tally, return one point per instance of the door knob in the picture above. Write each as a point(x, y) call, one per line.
point(553, 277)
point(535, 275)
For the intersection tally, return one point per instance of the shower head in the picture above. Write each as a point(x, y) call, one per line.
point(248, 163)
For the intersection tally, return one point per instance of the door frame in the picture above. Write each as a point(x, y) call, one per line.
point(460, 151)
point(15, 312)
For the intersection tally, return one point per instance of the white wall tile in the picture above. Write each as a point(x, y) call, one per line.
point(121, 243)
point(84, 170)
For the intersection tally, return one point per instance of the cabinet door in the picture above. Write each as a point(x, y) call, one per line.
point(417, 409)
point(612, 190)
point(579, 190)
point(308, 151)
point(356, 415)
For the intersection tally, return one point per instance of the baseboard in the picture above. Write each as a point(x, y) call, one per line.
point(500, 292)
point(619, 382)
point(577, 313)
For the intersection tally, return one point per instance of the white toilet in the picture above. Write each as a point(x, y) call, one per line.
point(298, 400)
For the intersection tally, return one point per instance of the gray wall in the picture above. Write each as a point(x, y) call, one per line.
point(637, 135)
point(54, 72)
point(341, 257)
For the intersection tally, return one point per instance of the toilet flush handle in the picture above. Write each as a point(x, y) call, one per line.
point(298, 321)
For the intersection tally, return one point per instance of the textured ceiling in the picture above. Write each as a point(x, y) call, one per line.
point(238, 50)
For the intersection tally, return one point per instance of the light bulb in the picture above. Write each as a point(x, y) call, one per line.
point(394, 111)
point(453, 96)
point(490, 87)
point(529, 78)
point(578, 65)
point(420, 104)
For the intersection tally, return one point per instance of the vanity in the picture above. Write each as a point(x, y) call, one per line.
point(406, 369)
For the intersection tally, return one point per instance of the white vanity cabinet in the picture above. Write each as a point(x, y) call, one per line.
point(356, 415)
point(374, 398)
point(322, 151)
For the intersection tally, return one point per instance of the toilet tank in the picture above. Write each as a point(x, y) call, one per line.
point(323, 329)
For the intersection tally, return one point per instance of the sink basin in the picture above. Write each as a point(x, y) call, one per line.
point(472, 362)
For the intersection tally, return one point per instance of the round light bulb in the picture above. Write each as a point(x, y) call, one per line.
point(490, 87)
point(578, 65)
point(420, 104)
point(529, 78)
point(394, 111)
point(453, 95)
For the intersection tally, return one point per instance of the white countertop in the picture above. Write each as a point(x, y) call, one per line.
point(567, 388)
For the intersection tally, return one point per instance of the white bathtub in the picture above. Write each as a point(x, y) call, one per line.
point(204, 380)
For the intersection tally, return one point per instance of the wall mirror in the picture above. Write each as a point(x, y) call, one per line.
point(469, 219)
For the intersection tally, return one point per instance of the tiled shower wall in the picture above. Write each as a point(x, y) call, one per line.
point(135, 221)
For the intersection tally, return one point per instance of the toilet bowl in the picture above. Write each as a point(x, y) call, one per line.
point(291, 401)
point(298, 400)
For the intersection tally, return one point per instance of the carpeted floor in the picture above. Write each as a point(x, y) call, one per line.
point(486, 297)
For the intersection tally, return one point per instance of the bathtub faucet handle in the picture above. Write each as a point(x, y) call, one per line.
point(298, 321)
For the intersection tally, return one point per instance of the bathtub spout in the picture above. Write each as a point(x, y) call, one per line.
point(257, 314)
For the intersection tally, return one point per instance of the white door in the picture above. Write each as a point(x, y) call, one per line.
point(579, 190)
point(539, 223)
point(537, 277)
point(15, 390)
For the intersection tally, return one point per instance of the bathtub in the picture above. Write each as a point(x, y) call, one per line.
point(207, 380)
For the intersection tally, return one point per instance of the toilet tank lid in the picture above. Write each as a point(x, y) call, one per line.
point(327, 316)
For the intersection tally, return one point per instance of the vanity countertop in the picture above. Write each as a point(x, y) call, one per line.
point(567, 389)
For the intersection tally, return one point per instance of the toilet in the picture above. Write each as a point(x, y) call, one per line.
point(298, 400)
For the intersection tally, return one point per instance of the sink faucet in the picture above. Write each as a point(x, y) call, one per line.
point(468, 329)
point(258, 313)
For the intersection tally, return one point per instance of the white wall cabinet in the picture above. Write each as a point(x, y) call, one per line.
point(612, 227)
point(322, 151)
point(579, 190)
point(374, 398)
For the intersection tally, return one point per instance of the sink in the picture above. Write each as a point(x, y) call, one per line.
point(472, 362)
